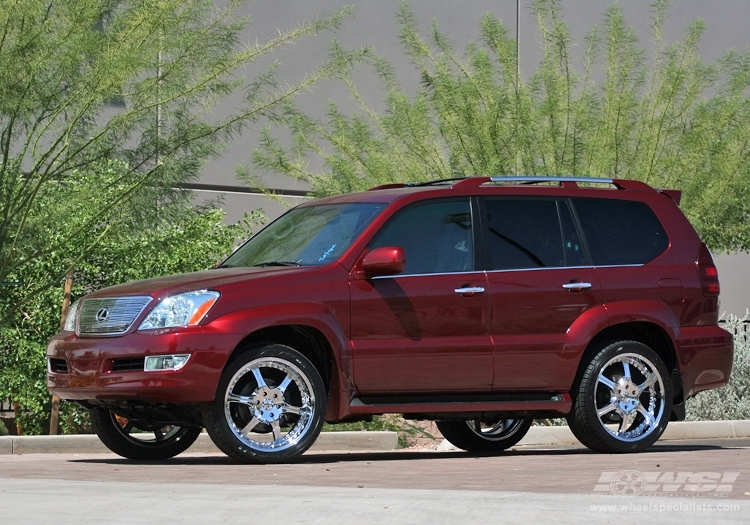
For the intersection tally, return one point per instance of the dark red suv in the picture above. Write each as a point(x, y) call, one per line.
point(481, 303)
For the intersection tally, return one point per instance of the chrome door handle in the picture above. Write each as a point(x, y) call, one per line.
point(577, 287)
point(469, 291)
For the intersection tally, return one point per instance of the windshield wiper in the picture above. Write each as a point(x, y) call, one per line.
point(277, 263)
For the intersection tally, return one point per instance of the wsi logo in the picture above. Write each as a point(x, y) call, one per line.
point(635, 482)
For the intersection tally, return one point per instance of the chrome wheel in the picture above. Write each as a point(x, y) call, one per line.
point(269, 406)
point(147, 434)
point(488, 434)
point(629, 397)
point(141, 439)
point(498, 430)
point(624, 399)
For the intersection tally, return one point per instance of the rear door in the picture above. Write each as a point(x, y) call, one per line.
point(540, 283)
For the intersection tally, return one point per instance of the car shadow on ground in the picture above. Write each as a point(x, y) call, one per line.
point(313, 458)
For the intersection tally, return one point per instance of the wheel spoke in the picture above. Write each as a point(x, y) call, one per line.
point(158, 434)
point(254, 422)
point(606, 381)
point(284, 384)
point(289, 409)
point(648, 383)
point(304, 410)
point(626, 369)
point(606, 410)
point(259, 378)
point(276, 428)
point(647, 416)
point(127, 428)
point(243, 400)
point(627, 420)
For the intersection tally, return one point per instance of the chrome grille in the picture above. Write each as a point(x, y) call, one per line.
point(109, 315)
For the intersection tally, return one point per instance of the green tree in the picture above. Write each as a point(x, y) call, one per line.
point(128, 86)
point(193, 240)
point(662, 116)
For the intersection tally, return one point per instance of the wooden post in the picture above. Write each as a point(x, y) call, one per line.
point(54, 419)
point(16, 413)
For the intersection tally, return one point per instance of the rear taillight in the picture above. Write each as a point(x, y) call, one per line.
point(707, 272)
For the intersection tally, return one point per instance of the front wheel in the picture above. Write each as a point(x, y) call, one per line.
point(484, 435)
point(269, 406)
point(623, 401)
point(141, 440)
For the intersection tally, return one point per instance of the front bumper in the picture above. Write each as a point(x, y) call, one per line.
point(91, 373)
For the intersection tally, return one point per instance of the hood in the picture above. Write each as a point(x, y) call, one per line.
point(160, 287)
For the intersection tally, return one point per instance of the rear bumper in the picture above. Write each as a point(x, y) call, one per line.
point(90, 362)
point(705, 355)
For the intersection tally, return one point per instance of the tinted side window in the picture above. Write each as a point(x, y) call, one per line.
point(437, 237)
point(529, 233)
point(620, 232)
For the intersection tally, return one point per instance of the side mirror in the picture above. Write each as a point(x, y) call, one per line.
point(386, 260)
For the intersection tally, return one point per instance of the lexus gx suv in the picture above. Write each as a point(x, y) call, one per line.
point(480, 303)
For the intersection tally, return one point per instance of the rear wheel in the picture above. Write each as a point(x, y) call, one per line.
point(269, 406)
point(141, 440)
point(623, 401)
point(484, 435)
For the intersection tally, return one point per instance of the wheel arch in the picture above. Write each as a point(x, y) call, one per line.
point(307, 340)
point(648, 333)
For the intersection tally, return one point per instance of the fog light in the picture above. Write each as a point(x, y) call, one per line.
point(165, 362)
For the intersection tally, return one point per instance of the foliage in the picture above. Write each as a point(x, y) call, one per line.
point(733, 400)
point(612, 110)
point(406, 430)
point(194, 240)
point(128, 86)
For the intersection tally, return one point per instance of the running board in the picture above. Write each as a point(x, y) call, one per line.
point(420, 404)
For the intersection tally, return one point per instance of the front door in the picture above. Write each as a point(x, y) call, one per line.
point(425, 330)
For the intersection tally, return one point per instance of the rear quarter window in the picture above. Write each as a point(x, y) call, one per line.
point(620, 232)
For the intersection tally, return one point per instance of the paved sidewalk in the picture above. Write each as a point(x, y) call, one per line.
point(371, 441)
point(90, 444)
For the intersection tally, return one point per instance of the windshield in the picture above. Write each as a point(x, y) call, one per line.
point(308, 235)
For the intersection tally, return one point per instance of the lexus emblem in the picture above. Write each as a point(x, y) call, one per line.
point(102, 315)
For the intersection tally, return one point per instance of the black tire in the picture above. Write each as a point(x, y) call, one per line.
point(482, 435)
point(623, 401)
point(273, 422)
point(139, 440)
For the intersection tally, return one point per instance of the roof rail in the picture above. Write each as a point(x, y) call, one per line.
point(533, 179)
point(620, 184)
point(463, 182)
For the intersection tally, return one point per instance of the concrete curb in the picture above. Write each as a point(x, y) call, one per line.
point(90, 444)
point(676, 430)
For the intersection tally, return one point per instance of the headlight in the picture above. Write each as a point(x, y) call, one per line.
point(70, 320)
point(185, 309)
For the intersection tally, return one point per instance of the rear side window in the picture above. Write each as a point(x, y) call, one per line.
point(531, 233)
point(620, 232)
